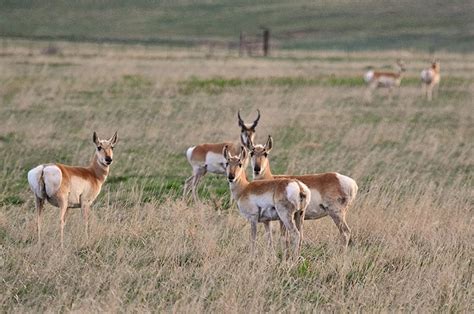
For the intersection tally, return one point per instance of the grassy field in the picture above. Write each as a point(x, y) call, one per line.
point(151, 251)
point(302, 24)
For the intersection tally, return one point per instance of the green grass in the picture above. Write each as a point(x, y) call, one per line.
point(303, 24)
point(149, 250)
point(218, 85)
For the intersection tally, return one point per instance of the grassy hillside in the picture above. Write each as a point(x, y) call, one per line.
point(151, 251)
point(349, 25)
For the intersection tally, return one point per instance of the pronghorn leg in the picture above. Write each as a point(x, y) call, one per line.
point(39, 204)
point(63, 208)
point(430, 93)
point(339, 219)
point(288, 220)
point(186, 186)
point(284, 240)
point(368, 94)
point(85, 213)
point(268, 231)
point(199, 172)
point(253, 235)
point(299, 219)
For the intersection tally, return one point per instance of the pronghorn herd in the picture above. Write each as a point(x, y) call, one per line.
point(289, 198)
point(377, 79)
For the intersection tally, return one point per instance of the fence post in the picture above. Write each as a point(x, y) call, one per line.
point(266, 41)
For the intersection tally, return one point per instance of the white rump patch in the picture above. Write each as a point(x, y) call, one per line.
point(215, 163)
point(293, 193)
point(189, 152)
point(348, 185)
point(368, 76)
point(52, 177)
point(34, 177)
point(426, 76)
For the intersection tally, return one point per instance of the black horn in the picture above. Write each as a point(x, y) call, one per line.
point(256, 120)
point(241, 122)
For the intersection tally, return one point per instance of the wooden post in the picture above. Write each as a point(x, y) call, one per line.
point(266, 41)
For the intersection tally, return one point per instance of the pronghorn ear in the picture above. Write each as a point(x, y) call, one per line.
point(225, 152)
point(269, 144)
point(95, 139)
point(114, 139)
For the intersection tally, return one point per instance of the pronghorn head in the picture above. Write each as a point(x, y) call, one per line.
point(247, 132)
point(104, 149)
point(235, 165)
point(435, 65)
point(401, 65)
point(259, 156)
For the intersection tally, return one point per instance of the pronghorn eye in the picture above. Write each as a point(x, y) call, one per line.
point(252, 153)
point(265, 154)
point(99, 148)
point(240, 165)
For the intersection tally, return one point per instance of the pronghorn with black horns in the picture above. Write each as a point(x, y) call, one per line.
point(389, 80)
point(263, 201)
point(331, 193)
point(72, 187)
point(430, 79)
point(206, 158)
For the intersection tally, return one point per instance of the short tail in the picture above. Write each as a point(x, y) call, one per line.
point(36, 181)
point(305, 196)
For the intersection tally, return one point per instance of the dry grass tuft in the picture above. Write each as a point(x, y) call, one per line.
point(150, 251)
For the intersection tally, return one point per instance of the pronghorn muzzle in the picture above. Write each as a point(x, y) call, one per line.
point(108, 160)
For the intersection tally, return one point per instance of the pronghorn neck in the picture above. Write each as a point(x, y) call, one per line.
point(239, 184)
point(100, 170)
point(265, 174)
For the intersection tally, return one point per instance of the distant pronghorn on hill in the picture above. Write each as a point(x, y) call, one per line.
point(72, 187)
point(331, 193)
point(430, 79)
point(206, 158)
point(263, 201)
point(378, 79)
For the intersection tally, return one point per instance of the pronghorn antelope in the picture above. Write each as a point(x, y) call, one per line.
point(375, 79)
point(71, 187)
point(331, 193)
point(206, 158)
point(263, 201)
point(430, 79)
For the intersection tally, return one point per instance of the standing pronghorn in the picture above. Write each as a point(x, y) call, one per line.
point(375, 79)
point(263, 201)
point(331, 192)
point(205, 158)
point(430, 79)
point(72, 187)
